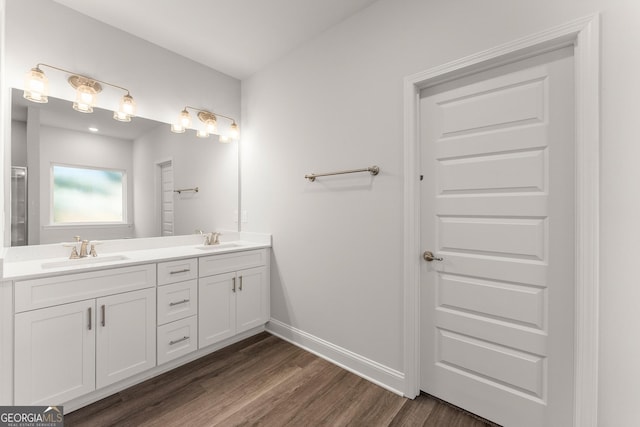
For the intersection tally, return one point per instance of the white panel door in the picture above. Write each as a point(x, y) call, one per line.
point(497, 312)
point(126, 335)
point(55, 353)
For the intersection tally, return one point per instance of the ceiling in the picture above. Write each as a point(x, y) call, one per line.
point(236, 37)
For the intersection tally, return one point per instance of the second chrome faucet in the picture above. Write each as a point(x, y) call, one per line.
point(212, 238)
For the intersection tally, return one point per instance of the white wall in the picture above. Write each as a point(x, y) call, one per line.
point(18, 143)
point(162, 82)
point(71, 148)
point(336, 102)
point(206, 164)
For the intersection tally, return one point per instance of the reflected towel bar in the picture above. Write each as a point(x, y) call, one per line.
point(373, 170)
point(195, 190)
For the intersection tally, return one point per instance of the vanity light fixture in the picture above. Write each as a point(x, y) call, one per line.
point(184, 121)
point(87, 90)
point(210, 122)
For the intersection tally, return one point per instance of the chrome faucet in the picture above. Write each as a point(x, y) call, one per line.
point(83, 249)
point(212, 238)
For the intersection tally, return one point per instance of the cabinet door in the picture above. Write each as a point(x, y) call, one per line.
point(126, 335)
point(55, 353)
point(216, 308)
point(252, 299)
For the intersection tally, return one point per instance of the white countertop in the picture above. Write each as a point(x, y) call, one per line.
point(51, 260)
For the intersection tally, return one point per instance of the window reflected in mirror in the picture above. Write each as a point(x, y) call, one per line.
point(87, 195)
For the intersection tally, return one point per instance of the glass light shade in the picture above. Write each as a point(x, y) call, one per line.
point(128, 106)
point(212, 126)
point(121, 117)
point(234, 131)
point(85, 99)
point(36, 86)
point(83, 108)
point(177, 128)
point(184, 119)
point(86, 95)
point(202, 133)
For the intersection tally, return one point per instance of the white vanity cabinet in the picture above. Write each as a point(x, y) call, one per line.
point(233, 294)
point(177, 309)
point(79, 336)
point(78, 332)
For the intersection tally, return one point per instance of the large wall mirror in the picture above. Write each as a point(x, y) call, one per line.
point(92, 176)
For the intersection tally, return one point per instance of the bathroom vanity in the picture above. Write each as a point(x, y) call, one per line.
point(84, 329)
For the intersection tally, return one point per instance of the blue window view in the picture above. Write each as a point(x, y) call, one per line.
point(87, 195)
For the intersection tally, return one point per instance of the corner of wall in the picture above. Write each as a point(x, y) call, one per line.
point(5, 129)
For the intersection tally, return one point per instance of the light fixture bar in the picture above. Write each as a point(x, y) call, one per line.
point(210, 121)
point(87, 88)
point(77, 75)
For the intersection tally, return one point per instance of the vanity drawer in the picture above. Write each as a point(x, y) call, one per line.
point(177, 338)
point(177, 301)
point(177, 271)
point(224, 263)
point(56, 290)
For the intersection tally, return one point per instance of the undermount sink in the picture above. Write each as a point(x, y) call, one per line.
point(84, 261)
point(219, 246)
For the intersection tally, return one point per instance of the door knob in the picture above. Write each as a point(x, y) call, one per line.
point(429, 256)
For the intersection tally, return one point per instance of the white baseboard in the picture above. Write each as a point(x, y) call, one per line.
point(375, 372)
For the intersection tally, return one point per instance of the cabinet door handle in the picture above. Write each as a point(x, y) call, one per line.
point(180, 271)
point(240, 282)
point(89, 318)
point(233, 288)
point(104, 315)
point(178, 340)
point(171, 304)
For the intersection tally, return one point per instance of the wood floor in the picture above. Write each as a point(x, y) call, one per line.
point(265, 381)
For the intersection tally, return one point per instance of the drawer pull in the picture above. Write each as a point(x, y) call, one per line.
point(233, 288)
point(178, 340)
point(240, 282)
point(104, 315)
point(171, 304)
point(180, 271)
point(89, 318)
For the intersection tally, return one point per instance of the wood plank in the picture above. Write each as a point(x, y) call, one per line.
point(266, 381)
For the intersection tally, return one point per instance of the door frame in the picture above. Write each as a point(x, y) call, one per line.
point(583, 34)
